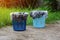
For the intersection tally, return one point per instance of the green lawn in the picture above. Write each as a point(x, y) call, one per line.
point(5, 15)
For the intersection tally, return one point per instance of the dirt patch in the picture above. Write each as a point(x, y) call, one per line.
point(50, 32)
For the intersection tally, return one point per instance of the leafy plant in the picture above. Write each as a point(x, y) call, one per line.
point(52, 4)
point(19, 3)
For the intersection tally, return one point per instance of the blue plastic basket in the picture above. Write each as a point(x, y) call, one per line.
point(39, 22)
point(19, 26)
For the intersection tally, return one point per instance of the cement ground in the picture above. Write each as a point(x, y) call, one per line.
point(50, 32)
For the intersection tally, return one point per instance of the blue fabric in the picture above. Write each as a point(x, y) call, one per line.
point(19, 26)
point(39, 22)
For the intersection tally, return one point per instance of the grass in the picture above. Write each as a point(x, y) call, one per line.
point(5, 15)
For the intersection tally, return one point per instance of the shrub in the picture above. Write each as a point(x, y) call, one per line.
point(53, 4)
point(20, 3)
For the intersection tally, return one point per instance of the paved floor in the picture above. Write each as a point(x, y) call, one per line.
point(51, 32)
